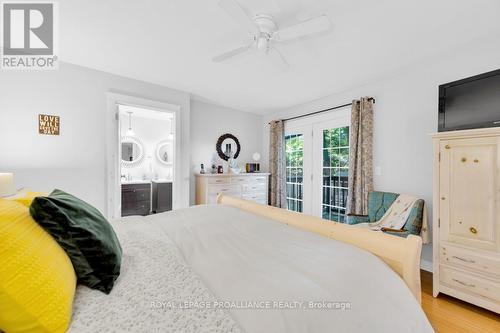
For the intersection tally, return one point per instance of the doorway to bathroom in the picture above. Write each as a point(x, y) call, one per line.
point(143, 164)
point(147, 156)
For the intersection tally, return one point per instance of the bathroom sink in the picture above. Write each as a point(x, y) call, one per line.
point(161, 180)
point(137, 181)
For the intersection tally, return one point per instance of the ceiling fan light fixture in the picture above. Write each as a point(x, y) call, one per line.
point(262, 43)
point(266, 34)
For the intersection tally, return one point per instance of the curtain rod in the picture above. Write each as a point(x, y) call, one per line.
point(325, 110)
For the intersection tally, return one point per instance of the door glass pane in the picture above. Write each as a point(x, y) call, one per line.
point(294, 151)
point(335, 173)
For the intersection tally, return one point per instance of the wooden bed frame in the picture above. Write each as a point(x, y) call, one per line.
point(401, 254)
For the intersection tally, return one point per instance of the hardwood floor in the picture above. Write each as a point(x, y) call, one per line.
point(448, 314)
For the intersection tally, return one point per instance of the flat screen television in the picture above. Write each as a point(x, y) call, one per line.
point(470, 103)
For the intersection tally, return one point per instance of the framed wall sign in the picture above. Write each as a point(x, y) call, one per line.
point(48, 125)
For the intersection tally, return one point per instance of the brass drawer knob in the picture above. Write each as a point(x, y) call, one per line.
point(447, 147)
point(473, 230)
point(476, 161)
point(464, 159)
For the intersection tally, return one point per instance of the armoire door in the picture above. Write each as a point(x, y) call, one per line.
point(469, 208)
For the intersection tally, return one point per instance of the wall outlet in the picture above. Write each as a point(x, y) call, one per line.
point(378, 171)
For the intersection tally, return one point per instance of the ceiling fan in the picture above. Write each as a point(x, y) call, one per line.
point(265, 33)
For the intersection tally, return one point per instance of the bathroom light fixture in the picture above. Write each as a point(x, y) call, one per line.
point(130, 131)
point(171, 135)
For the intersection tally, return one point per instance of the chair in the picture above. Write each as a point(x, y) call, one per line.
point(379, 203)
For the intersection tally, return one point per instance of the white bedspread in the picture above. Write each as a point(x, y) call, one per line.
point(250, 261)
point(153, 275)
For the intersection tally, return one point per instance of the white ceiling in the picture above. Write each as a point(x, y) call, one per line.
point(172, 42)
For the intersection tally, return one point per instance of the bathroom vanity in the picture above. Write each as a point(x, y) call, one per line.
point(162, 196)
point(146, 197)
point(136, 199)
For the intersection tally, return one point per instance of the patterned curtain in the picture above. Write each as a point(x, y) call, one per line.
point(277, 166)
point(360, 156)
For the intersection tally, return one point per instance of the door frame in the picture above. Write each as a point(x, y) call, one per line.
point(311, 127)
point(317, 184)
point(113, 153)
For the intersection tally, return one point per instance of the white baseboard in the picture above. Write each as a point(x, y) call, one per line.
point(426, 265)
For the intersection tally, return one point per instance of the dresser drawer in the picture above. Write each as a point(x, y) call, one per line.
point(218, 180)
point(470, 283)
point(225, 189)
point(241, 180)
point(254, 187)
point(257, 197)
point(260, 179)
point(471, 259)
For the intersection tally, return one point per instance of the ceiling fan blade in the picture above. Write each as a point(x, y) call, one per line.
point(232, 53)
point(308, 27)
point(277, 58)
point(233, 8)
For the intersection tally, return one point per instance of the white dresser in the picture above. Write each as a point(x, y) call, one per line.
point(248, 186)
point(466, 216)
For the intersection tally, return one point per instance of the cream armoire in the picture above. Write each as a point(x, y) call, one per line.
point(466, 216)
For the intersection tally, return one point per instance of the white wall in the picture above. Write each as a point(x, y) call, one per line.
point(75, 161)
point(405, 114)
point(209, 122)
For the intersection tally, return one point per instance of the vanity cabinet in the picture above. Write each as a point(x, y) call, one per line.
point(162, 196)
point(136, 199)
point(466, 219)
point(248, 186)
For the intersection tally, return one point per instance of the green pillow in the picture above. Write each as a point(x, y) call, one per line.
point(86, 236)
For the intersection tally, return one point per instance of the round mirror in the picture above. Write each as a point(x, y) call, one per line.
point(227, 144)
point(164, 152)
point(132, 151)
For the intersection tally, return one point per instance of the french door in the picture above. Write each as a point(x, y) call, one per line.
point(317, 165)
point(297, 151)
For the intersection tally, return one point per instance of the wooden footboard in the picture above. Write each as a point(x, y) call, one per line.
point(401, 254)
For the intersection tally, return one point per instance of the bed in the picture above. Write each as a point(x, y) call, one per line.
point(243, 267)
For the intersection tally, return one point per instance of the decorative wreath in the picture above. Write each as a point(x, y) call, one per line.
point(218, 146)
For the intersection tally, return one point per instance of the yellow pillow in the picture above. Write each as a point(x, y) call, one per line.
point(25, 197)
point(37, 280)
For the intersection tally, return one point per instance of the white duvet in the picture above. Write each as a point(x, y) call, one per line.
point(244, 272)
